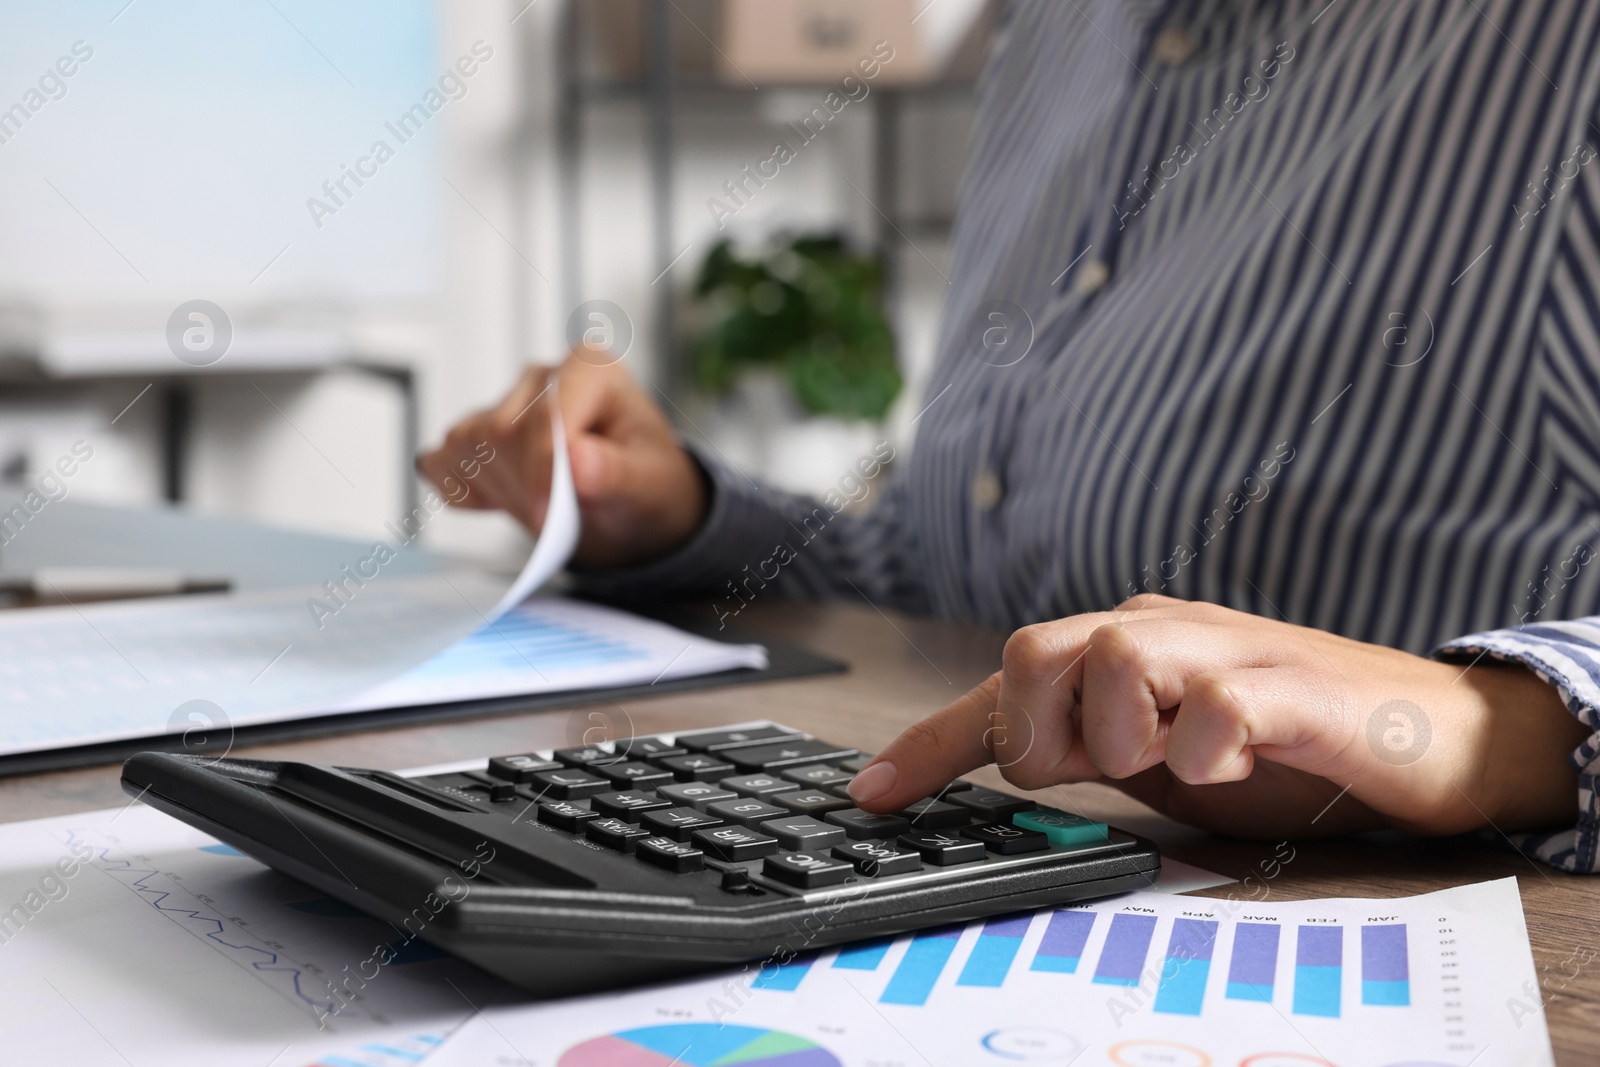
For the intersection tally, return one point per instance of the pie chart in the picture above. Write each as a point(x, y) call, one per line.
point(698, 1045)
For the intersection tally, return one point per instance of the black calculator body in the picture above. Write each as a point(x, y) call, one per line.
point(645, 858)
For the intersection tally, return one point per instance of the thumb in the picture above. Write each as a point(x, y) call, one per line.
point(595, 465)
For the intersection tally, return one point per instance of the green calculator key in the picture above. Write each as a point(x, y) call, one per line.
point(1064, 829)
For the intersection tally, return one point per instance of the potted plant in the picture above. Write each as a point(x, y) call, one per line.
point(794, 340)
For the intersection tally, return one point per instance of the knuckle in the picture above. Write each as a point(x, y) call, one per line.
point(1114, 647)
point(1029, 652)
point(1209, 697)
point(1029, 774)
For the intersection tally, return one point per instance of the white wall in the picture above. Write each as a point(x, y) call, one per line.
point(327, 455)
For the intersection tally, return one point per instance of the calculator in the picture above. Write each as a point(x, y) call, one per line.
point(645, 858)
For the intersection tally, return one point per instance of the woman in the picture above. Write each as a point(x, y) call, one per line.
point(1270, 367)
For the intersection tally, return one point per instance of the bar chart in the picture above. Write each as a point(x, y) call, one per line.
point(1141, 980)
point(1179, 976)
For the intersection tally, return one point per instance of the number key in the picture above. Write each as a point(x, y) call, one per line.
point(746, 812)
point(812, 802)
point(864, 825)
point(817, 774)
point(698, 795)
point(757, 785)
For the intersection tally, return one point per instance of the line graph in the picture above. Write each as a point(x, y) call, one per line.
point(285, 976)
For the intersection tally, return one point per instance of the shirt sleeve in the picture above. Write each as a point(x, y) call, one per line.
point(1567, 656)
point(758, 541)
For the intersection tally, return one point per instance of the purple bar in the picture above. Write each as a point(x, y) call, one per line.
point(1192, 939)
point(1255, 954)
point(1320, 946)
point(1127, 943)
point(1383, 954)
point(1017, 927)
point(1067, 933)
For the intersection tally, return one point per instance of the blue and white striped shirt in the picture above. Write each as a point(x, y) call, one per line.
point(1298, 312)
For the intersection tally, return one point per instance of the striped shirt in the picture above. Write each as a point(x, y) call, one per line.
point(1288, 305)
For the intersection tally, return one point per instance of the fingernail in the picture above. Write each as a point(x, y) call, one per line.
point(873, 782)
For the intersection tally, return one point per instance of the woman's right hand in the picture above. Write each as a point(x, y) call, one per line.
point(640, 494)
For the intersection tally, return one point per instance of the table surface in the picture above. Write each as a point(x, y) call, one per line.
point(901, 669)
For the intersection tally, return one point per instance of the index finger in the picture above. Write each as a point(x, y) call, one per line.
point(931, 754)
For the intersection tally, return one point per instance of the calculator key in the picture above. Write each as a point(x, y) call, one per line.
point(586, 756)
point(802, 833)
point(520, 769)
point(696, 767)
point(565, 815)
point(806, 871)
point(735, 843)
point(675, 856)
point(810, 802)
point(677, 823)
point(877, 858)
point(717, 740)
point(633, 772)
point(943, 850)
point(627, 806)
point(569, 784)
point(930, 814)
point(757, 785)
point(614, 833)
point(647, 748)
point(990, 805)
point(1007, 840)
point(864, 825)
point(500, 792)
point(746, 811)
point(818, 774)
point(697, 795)
point(856, 764)
point(1064, 829)
point(793, 753)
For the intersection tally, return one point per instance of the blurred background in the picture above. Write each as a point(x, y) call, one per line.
point(253, 253)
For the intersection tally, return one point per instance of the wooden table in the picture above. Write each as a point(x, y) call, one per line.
point(902, 668)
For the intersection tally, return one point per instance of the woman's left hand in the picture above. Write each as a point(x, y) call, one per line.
point(1251, 727)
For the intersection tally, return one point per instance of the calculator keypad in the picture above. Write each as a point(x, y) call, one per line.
point(763, 803)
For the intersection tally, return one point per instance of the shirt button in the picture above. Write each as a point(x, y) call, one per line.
point(986, 491)
point(1173, 46)
point(1091, 277)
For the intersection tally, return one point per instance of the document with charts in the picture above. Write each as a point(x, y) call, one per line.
point(1141, 980)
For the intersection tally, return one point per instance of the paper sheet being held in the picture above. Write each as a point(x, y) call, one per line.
point(93, 673)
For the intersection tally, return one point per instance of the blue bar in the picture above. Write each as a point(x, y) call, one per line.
point(920, 967)
point(1385, 970)
point(1063, 942)
point(1318, 967)
point(1183, 976)
point(1122, 957)
point(784, 977)
point(1255, 962)
point(991, 957)
point(864, 957)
